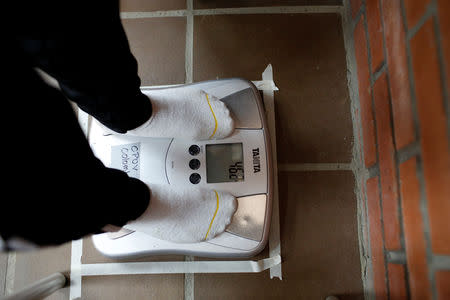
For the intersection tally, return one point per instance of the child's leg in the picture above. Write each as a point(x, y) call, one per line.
point(87, 51)
point(57, 189)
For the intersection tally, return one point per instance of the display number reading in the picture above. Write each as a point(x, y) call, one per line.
point(236, 172)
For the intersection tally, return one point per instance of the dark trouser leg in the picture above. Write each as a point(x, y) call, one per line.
point(86, 50)
point(54, 188)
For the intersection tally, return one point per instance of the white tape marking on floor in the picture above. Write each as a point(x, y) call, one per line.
point(179, 267)
point(274, 236)
point(75, 270)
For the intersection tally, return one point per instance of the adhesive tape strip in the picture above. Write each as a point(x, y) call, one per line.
point(179, 267)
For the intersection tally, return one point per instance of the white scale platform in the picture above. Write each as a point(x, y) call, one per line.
point(217, 164)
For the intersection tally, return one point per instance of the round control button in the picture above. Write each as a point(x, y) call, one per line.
point(194, 164)
point(195, 178)
point(194, 150)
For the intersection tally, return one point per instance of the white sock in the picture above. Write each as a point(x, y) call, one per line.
point(186, 112)
point(185, 215)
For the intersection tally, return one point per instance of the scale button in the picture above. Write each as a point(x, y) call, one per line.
point(194, 164)
point(194, 150)
point(195, 178)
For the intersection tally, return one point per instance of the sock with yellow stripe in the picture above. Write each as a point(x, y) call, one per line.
point(185, 214)
point(185, 112)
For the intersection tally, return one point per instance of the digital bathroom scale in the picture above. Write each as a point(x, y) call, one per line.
point(240, 164)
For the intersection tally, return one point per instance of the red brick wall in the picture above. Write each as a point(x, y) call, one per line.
point(402, 54)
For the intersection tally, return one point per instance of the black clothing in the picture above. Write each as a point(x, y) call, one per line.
point(55, 190)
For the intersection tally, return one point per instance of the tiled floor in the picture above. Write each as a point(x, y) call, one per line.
point(307, 53)
point(29, 267)
point(317, 208)
point(319, 245)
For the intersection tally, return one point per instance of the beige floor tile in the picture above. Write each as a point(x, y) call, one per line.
point(319, 245)
point(145, 5)
point(133, 287)
point(249, 3)
point(35, 265)
point(159, 47)
point(308, 56)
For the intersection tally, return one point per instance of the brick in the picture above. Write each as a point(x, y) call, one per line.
point(367, 121)
point(355, 6)
point(444, 27)
point(398, 73)
point(414, 10)
point(376, 238)
point(442, 279)
point(375, 31)
point(414, 231)
point(397, 282)
point(433, 133)
point(386, 156)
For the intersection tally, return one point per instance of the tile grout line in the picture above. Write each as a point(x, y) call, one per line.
point(407, 152)
point(371, 81)
point(3, 279)
point(292, 167)
point(357, 18)
point(442, 71)
point(233, 11)
point(379, 72)
point(383, 236)
point(154, 14)
point(189, 281)
point(10, 273)
point(396, 257)
point(189, 48)
point(377, 149)
point(357, 164)
point(189, 278)
point(270, 10)
point(426, 224)
point(429, 13)
point(441, 262)
point(374, 170)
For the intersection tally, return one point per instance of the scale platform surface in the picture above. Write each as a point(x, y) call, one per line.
point(240, 164)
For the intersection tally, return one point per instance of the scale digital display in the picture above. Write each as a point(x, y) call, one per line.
point(224, 163)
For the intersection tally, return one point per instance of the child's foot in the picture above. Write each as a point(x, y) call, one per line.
point(185, 215)
point(187, 113)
